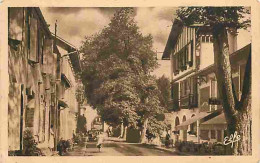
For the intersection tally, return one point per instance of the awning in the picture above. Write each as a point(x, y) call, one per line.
point(218, 122)
point(184, 125)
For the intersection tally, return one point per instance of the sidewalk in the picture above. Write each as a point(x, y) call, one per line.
point(115, 139)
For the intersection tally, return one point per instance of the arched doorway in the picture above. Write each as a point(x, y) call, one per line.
point(193, 127)
point(184, 118)
point(177, 122)
point(184, 132)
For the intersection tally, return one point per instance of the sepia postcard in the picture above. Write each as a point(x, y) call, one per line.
point(81, 81)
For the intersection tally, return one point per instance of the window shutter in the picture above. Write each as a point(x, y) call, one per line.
point(175, 96)
point(40, 45)
point(47, 56)
point(186, 54)
point(191, 53)
point(173, 63)
point(33, 40)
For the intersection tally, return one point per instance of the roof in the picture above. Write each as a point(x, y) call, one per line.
point(172, 39)
point(241, 54)
point(45, 25)
point(185, 124)
point(74, 54)
point(217, 123)
point(220, 119)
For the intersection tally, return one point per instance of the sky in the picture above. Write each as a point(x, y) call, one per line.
point(74, 23)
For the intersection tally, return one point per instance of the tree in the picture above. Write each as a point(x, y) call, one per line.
point(149, 107)
point(81, 124)
point(164, 87)
point(116, 65)
point(237, 112)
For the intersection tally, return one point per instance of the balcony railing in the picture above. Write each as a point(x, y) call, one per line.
point(189, 101)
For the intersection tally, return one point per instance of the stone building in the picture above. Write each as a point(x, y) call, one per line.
point(67, 102)
point(37, 78)
point(197, 111)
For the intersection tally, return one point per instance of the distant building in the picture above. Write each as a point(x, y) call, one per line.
point(197, 111)
point(94, 121)
point(41, 82)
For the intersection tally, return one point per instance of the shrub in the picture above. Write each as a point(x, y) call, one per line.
point(30, 145)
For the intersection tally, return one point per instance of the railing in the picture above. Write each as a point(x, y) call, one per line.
point(189, 101)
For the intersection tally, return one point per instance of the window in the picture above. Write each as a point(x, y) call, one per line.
point(187, 86)
point(183, 58)
point(213, 88)
point(184, 118)
point(213, 134)
point(206, 38)
point(41, 45)
point(175, 96)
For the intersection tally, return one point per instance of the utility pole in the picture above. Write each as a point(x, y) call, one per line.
point(57, 95)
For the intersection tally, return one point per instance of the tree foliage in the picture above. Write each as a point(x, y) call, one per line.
point(81, 124)
point(116, 65)
point(231, 17)
point(164, 86)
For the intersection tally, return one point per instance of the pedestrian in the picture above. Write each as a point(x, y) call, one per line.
point(51, 140)
point(100, 139)
point(167, 139)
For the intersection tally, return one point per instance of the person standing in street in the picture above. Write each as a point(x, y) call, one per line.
point(51, 141)
point(100, 139)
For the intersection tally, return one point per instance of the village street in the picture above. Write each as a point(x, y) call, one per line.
point(120, 148)
point(132, 85)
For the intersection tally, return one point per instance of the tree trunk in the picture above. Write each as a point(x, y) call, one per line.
point(122, 130)
point(125, 132)
point(237, 113)
point(143, 137)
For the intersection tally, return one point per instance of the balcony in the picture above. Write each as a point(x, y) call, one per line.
point(189, 101)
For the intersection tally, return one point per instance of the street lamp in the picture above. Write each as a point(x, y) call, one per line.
point(65, 55)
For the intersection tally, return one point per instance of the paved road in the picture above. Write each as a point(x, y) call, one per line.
point(111, 148)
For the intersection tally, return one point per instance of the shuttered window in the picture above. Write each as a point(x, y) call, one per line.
point(175, 92)
point(183, 58)
point(47, 56)
point(213, 134)
point(33, 43)
point(204, 98)
point(41, 45)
